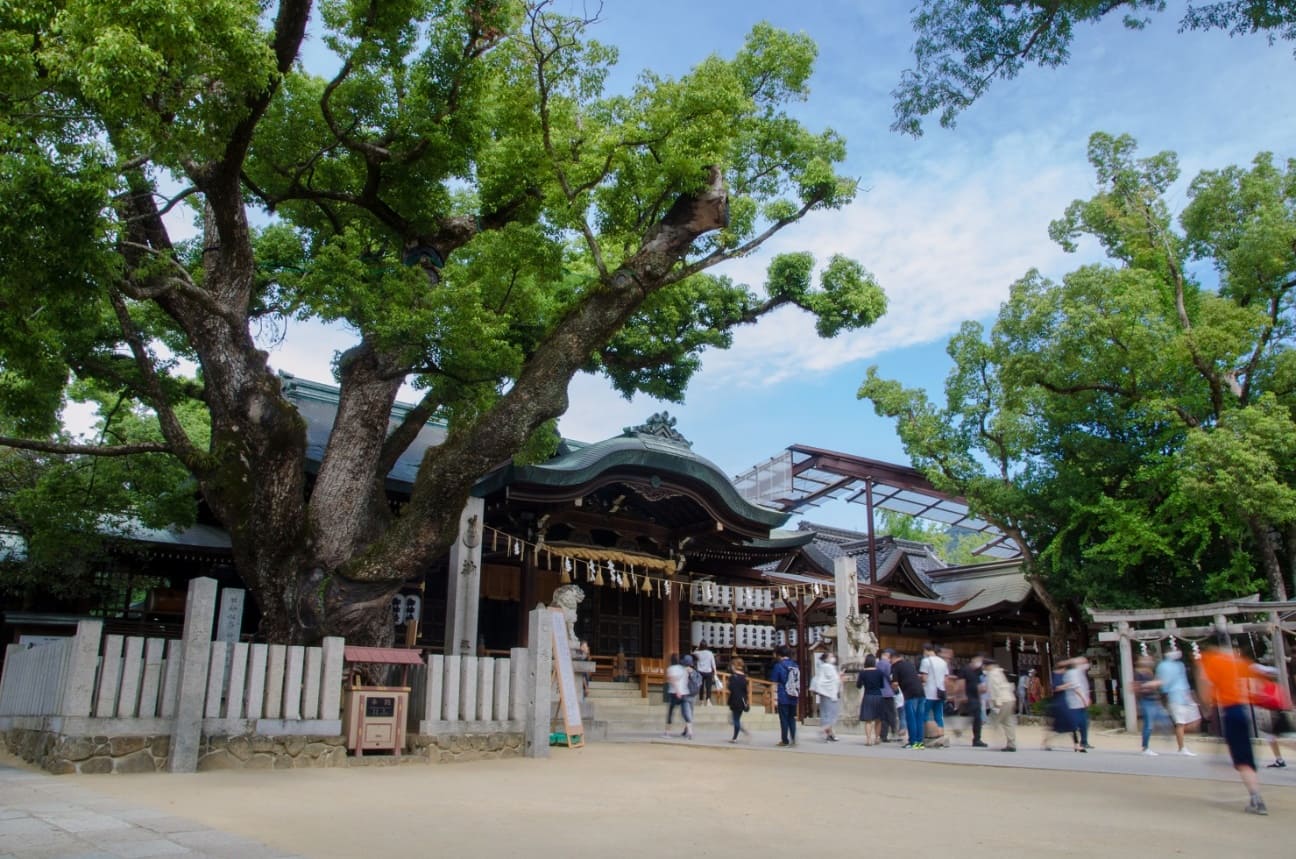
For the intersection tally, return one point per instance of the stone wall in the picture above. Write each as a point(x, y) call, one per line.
point(255, 752)
point(60, 755)
point(455, 748)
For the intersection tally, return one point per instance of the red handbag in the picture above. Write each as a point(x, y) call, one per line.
point(1269, 695)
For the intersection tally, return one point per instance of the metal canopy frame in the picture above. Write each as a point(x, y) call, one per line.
point(803, 477)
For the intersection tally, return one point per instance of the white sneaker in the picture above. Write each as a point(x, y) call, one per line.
point(1187, 752)
point(1148, 753)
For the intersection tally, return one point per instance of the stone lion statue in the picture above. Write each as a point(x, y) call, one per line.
point(567, 597)
point(860, 637)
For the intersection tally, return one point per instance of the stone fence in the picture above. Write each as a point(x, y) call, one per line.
point(95, 703)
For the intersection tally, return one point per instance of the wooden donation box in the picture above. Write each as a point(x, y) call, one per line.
point(374, 717)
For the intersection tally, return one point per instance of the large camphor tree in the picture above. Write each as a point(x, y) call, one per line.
point(1132, 427)
point(458, 190)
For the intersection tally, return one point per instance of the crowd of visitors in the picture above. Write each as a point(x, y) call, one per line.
point(908, 698)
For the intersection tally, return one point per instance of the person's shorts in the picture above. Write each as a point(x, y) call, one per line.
point(1185, 714)
point(1237, 734)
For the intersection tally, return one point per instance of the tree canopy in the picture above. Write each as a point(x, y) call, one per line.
point(1130, 426)
point(458, 189)
point(963, 46)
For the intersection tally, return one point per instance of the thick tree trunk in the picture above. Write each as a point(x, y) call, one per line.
point(356, 596)
point(1264, 537)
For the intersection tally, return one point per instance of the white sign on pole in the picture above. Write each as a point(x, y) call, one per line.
point(569, 698)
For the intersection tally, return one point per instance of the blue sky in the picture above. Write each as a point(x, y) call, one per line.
point(946, 223)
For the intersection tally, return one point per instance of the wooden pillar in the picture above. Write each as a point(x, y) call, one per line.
point(873, 601)
point(1127, 678)
point(802, 654)
point(528, 600)
point(671, 620)
point(1280, 651)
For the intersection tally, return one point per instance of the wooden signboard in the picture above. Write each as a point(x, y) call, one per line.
point(568, 698)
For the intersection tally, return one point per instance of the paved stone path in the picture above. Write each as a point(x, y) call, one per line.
point(1114, 754)
point(49, 816)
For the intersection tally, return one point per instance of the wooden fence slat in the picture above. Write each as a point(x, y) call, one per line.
point(485, 688)
point(109, 678)
point(278, 653)
point(468, 688)
point(311, 689)
point(256, 681)
point(434, 685)
point(171, 679)
point(132, 672)
point(292, 693)
point(331, 680)
point(450, 699)
point(237, 681)
point(215, 680)
point(501, 708)
point(153, 650)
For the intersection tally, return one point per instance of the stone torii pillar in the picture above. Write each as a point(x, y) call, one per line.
point(847, 602)
point(1127, 678)
point(463, 582)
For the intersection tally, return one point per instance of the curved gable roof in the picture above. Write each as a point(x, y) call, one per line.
point(649, 458)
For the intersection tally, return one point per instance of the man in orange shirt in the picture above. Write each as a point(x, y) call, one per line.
point(1225, 682)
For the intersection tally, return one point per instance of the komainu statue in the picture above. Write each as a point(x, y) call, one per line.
point(567, 597)
point(859, 637)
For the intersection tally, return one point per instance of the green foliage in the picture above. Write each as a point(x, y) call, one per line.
point(458, 188)
point(68, 510)
point(955, 546)
point(963, 46)
point(1128, 424)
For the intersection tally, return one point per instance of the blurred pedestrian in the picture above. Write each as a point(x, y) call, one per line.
point(973, 686)
point(873, 705)
point(1172, 682)
point(706, 666)
point(934, 672)
point(1058, 718)
point(679, 694)
point(828, 686)
point(1003, 703)
point(1225, 683)
point(909, 684)
point(739, 696)
point(1078, 698)
point(1147, 693)
point(888, 718)
point(786, 676)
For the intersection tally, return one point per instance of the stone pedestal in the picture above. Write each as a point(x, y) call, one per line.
point(850, 696)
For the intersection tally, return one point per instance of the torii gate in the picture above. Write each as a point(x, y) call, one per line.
point(1282, 619)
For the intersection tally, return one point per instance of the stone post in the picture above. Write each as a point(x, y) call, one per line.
point(200, 606)
point(463, 584)
point(1127, 678)
point(79, 682)
point(847, 603)
point(539, 682)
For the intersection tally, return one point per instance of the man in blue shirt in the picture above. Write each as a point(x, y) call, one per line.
point(787, 702)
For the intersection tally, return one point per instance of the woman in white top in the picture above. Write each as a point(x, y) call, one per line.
point(827, 685)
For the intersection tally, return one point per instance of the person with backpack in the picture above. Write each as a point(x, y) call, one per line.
point(786, 676)
point(682, 683)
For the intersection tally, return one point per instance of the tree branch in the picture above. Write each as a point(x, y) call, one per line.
point(84, 449)
point(178, 440)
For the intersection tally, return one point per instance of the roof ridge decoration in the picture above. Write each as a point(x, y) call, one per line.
point(659, 425)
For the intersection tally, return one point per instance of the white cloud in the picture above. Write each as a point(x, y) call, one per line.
point(944, 242)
